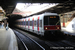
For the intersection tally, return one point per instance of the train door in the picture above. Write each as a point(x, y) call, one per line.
point(37, 25)
point(39, 28)
point(33, 24)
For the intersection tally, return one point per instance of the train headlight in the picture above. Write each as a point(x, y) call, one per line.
point(57, 27)
point(46, 28)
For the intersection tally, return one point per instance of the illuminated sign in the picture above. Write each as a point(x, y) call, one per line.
point(52, 16)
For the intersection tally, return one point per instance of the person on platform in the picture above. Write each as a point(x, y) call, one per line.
point(2, 25)
point(7, 26)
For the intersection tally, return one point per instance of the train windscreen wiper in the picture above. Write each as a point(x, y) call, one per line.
point(57, 22)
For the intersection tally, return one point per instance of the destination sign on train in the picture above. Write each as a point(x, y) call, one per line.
point(52, 16)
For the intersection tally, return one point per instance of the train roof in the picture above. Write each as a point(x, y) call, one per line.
point(50, 14)
point(43, 14)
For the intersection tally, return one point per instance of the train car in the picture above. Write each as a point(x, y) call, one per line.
point(68, 23)
point(40, 24)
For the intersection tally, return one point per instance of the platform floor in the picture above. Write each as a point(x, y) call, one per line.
point(67, 31)
point(8, 40)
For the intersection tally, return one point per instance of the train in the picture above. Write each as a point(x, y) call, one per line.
point(42, 24)
point(68, 23)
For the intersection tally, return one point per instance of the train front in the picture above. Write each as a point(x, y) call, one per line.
point(52, 24)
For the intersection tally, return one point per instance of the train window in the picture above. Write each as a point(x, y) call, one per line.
point(20, 23)
point(45, 20)
point(40, 23)
point(54, 20)
point(30, 23)
point(35, 23)
point(26, 22)
point(23, 23)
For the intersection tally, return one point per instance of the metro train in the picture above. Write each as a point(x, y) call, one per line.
point(41, 24)
point(68, 23)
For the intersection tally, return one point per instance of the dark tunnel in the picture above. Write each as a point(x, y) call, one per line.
point(12, 18)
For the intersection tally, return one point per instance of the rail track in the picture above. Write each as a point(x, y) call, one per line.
point(28, 43)
point(43, 44)
point(22, 44)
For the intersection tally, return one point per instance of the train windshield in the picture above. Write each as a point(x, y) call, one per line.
point(51, 20)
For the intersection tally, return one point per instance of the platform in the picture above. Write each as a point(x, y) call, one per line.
point(67, 31)
point(8, 40)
